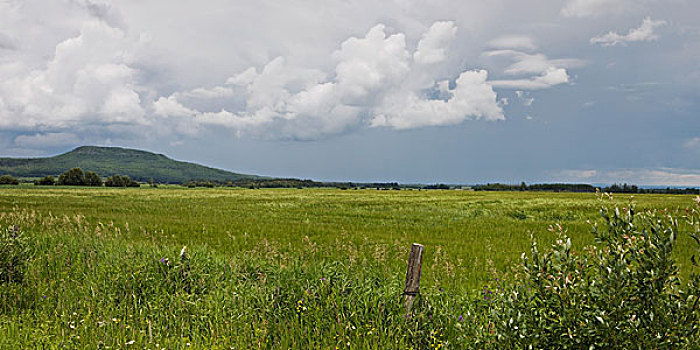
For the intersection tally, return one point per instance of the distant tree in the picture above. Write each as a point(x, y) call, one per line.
point(624, 188)
point(120, 181)
point(114, 181)
point(92, 179)
point(437, 187)
point(73, 177)
point(8, 180)
point(194, 183)
point(46, 181)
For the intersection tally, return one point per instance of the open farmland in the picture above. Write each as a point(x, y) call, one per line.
point(295, 268)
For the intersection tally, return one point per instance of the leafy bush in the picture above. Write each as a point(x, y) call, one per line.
point(46, 181)
point(72, 177)
point(120, 181)
point(8, 180)
point(193, 184)
point(622, 293)
point(14, 254)
point(92, 179)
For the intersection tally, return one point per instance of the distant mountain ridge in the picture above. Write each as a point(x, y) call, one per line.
point(107, 161)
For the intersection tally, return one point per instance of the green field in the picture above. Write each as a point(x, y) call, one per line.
point(283, 268)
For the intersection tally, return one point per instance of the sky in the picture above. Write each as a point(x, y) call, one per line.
point(465, 91)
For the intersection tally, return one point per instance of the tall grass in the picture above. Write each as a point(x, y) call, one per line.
point(271, 269)
point(89, 285)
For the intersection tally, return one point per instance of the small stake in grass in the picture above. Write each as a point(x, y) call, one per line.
point(415, 260)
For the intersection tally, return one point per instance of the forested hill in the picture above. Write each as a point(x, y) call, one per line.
point(107, 161)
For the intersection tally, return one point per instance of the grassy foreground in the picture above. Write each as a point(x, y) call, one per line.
point(272, 268)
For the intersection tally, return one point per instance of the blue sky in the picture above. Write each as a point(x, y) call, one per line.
point(412, 91)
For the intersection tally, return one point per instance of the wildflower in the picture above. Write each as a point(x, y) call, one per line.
point(300, 306)
point(130, 342)
point(183, 253)
point(460, 318)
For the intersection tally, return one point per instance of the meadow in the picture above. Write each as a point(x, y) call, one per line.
point(276, 268)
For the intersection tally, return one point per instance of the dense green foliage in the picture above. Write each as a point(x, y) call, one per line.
point(14, 254)
point(72, 177)
point(301, 269)
point(8, 180)
point(76, 177)
point(622, 293)
point(106, 161)
point(46, 181)
point(92, 179)
point(120, 181)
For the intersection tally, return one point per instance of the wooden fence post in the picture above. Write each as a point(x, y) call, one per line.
point(415, 260)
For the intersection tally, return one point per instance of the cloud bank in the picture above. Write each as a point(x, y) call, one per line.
point(84, 70)
point(377, 82)
point(88, 81)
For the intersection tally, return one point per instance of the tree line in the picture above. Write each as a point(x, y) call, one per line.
point(562, 187)
point(291, 183)
point(625, 188)
point(76, 177)
point(554, 187)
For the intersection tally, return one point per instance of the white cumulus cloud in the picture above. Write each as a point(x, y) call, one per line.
point(89, 80)
point(472, 97)
point(432, 46)
point(525, 97)
point(539, 71)
point(377, 82)
point(645, 32)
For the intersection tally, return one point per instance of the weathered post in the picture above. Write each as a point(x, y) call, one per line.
point(415, 260)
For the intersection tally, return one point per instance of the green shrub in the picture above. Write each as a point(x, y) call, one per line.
point(194, 183)
point(92, 179)
point(8, 180)
point(72, 177)
point(46, 181)
point(14, 254)
point(622, 293)
point(120, 181)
